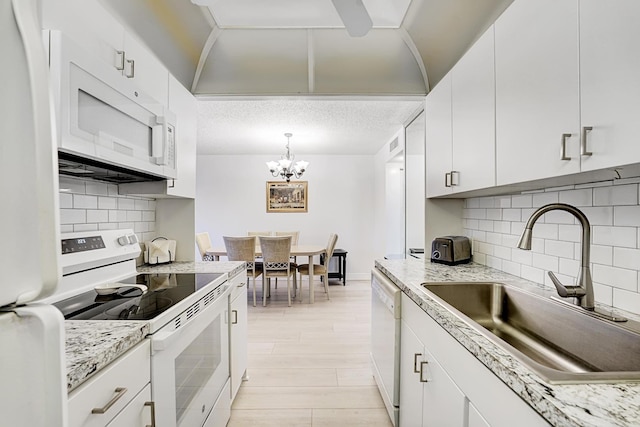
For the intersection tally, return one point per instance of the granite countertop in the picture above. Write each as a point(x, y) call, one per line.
point(93, 344)
point(561, 405)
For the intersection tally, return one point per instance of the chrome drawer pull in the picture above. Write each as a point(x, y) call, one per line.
point(152, 406)
point(563, 147)
point(132, 69)
point(415, 362)
point(235, 316)
point(583, 143)
point(447, 179)
point(119, 60)
point(422, 370)
point(120, 391)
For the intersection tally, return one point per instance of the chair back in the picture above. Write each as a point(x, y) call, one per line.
point(333, 238)
point(204, 243)
point(258, 233)
point(294, 235)
point(276, 252)
point(241, 249)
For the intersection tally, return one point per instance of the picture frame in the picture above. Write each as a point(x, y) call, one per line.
point(287, 196)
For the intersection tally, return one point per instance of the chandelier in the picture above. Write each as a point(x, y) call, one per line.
point(285, 167)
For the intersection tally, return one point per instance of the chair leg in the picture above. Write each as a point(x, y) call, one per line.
point(254, 291)
point(326, 285)
point(266, 284)
point(289, 289)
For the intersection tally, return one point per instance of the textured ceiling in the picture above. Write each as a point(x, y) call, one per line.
point(319, 126)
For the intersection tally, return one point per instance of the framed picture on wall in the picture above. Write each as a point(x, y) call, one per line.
point(287, 196)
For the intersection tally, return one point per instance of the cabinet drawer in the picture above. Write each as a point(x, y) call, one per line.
point(131, 371)
point(136, 414)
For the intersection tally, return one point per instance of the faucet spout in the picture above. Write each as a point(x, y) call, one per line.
point(583, 291)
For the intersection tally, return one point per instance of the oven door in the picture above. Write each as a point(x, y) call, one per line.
point(190, 365)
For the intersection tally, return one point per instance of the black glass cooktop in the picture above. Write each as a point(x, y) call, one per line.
point(130, 303)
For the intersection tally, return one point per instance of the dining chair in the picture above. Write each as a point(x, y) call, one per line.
point(320, 269)
point(294, 242)
point(244, 249)
point(276, 258)
point(204, 244)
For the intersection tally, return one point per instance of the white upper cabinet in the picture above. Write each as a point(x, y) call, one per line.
point(438, 139)
point(473, 116)
point(537, 90)
point(460, 124)
point(610, 82)
point(94, 28)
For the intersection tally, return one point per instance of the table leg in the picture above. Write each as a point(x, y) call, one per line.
point(311, 296)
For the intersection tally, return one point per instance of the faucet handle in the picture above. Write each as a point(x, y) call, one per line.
point(566, 291)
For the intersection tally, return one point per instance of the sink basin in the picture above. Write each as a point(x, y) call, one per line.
point(562, 344)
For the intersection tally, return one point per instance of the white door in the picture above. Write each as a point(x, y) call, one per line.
point(438, 139)
point(443, 402)
point(610, 83)
point(411, 354)
point(537, 90)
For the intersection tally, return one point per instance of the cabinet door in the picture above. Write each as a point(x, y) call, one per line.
point(610, 87)
point(411, 354)
point(473, 117)
point(184, 105)
point(238, 336)
point(537, 90)
point(146, 70)
point(438, 148)
point(475, 419)
point(138, 413)
point(443, 402)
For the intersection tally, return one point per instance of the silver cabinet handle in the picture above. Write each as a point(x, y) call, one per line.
point(583, 143)
point(563, 146)
point(152, 406)
point(457, 175)
point(415, 362)
point(422, 371)
point(120, 391)
point(447, 179)
point(119, 60)
point(132, 69)
point(235, 315)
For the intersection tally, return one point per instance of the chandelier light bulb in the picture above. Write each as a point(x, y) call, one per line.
point(285, 166)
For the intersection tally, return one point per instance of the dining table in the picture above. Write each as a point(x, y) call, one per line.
point(296, 250)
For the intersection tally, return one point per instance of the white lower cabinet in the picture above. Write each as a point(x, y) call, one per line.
point(432, 398)
point(238, 331)
point(117, 395)
point(443, 384)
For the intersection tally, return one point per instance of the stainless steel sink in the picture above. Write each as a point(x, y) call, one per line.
point(560, 343)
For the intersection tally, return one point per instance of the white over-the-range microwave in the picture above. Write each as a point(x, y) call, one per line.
point(109, 129)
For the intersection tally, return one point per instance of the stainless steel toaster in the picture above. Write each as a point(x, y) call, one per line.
point(451, 250)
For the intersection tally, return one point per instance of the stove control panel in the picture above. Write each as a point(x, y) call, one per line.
point(81, 244)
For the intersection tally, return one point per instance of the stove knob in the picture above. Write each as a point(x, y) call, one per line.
point(123, 240)
point(133, 239)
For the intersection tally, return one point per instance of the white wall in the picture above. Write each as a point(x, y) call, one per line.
point(613, 209)
point(230, 200)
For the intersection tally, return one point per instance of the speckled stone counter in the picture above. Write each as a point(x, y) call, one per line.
point(93, 344)
point(596, 405)
point(231, 267)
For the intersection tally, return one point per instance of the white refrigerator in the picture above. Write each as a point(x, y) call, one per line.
point(32, 361)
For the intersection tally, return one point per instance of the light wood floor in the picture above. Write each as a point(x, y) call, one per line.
point(309, 364)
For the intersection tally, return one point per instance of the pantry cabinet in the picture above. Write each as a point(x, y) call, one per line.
point(537, 90)
point(443, 384)
point(609, 83)
point(460, 138)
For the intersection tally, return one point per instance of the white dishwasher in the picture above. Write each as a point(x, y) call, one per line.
point(385, 340)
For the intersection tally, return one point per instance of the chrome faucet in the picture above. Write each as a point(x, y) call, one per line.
point(583, 291)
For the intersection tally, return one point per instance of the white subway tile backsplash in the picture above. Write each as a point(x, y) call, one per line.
point(66, 201)
point(616, 195)
point(126, 204)
point(117, 216)
point(85, 227)
point(141, 204)
point(613, 209)
point(626, 216)
point(70, 185)
point(97, 215)
point(149, 216)
point(81, 201)
point(107, 203)
point(602, 254)
point(73, 216)
point(541, 199)
point(616, 277)
point(626, 258)
point(583, 197)
point(133, 216)
point(522, 201)
point(96, 188)
point(614, 236)
point(558, 248)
